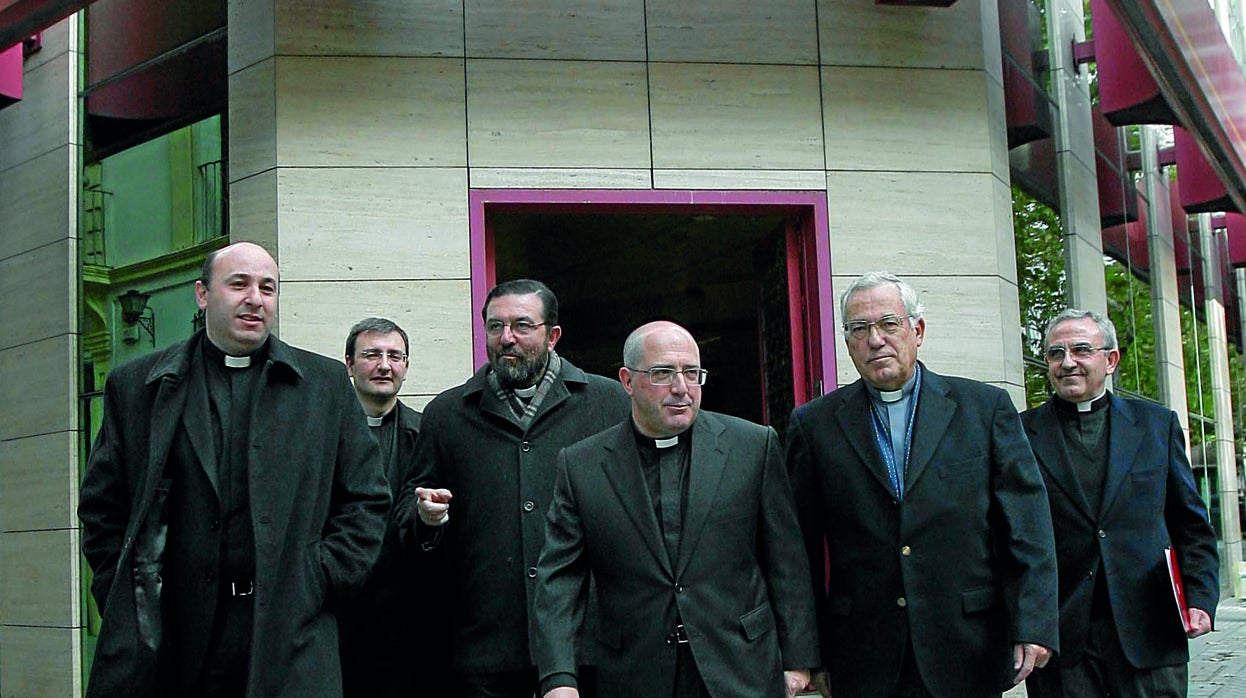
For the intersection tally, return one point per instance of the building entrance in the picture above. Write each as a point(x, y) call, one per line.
point(738, 277)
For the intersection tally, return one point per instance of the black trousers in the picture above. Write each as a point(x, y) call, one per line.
point(225, 666)
point(1105, 672)
point(514, 684)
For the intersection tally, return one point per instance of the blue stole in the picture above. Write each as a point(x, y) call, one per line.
point(897, 467)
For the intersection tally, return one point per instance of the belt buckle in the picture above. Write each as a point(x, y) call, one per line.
point(246, 588)
point(679, 637)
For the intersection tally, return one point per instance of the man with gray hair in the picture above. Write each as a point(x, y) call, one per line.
point(1121, 492)
point(922, 490)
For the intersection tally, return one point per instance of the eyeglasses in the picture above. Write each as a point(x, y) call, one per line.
point(887, 325)
point(663, 375)
point(1055, 353)
point(374, 355)
point(519, 328)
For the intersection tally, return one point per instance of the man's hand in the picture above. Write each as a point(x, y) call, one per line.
point(1201, 622)
point(1026, 658)
point(433, 505)
point(562, 692)
point(797, 680)
point(822, 684)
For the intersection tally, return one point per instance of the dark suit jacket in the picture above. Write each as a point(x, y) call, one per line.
point(318, 503)
point(1149, 503)
point(502, 478)
point(964, 566)
point(740, 586)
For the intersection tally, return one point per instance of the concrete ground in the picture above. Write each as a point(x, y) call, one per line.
point(1217, 660)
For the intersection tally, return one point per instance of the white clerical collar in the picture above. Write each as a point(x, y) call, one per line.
point(1088, 405)
point(237, 361)
point(379, 419)
point(890, 397)
point(525, 393)
point(667, 442)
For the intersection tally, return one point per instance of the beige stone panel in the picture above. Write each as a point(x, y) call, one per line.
point(36, 396)
point(733, 31)
point(1085, 261)
point(416, 402)
point(908, 119)
point(859, 32)
point(372, 223)
point(913, 222)
point(41, 122)
point(36, 200)
point(252, 120)
point(604, 30)
point(38, 289)
point(788, 180)
point(956, 307)
point(560, 178)
point(1005, 233)
point(715, 116)
point(252, 32)
point(370, 112)
point(437, 316)
point(37, 569)
point(997, 122)
point(370, 27)
point(26, 666)
point(253, 211)
point(557, 114)
point(40, 476)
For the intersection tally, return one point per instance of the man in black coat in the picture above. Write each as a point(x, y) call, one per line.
point(232, 498)
point(1121, 492)
point(491, 444)
point(923, 491)
point(383, 653)
point(685, 520)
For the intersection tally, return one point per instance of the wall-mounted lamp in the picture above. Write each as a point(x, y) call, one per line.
point(136, 314)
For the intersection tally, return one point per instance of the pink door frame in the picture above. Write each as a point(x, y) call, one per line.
point(809, 258)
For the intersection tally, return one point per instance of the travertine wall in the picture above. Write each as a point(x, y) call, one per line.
point(40, 618)
point(356, 130)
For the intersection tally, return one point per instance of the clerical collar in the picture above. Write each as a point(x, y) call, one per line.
point(380, 418)
point(668, 442)
point(216, 354)
point(891, 396)
point(1094, 404)
point(525, 393)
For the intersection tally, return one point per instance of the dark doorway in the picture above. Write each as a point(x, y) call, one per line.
point(723, 276)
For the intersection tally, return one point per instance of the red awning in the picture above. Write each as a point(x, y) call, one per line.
point(1127, 92)
point(1202, 190)
point(10, 75)
point(1185, 52)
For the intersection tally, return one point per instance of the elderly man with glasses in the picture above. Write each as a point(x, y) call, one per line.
point(483, 476)
point(685, 520)
point(1121, 492)
point(924, 494)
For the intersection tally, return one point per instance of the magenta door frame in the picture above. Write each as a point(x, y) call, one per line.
point(811, 205)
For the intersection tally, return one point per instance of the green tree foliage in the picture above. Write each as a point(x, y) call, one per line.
point(1041, 282)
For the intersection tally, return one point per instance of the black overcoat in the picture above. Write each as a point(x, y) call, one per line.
point(964, 565)
point(318, 507)
point(502, 477)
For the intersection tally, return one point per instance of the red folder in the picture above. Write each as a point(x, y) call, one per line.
point(1178, 589)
